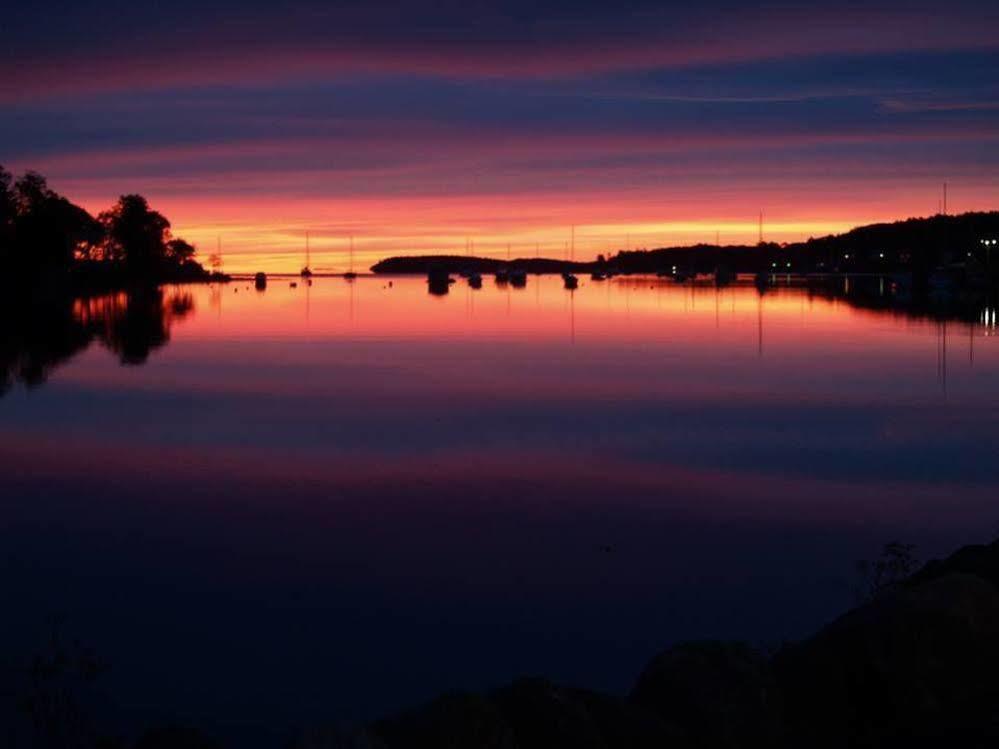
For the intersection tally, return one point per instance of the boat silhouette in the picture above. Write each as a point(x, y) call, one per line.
point(350, 275)
point(306, 271)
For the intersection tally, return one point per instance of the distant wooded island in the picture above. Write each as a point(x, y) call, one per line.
point(920, 246)
point(48, 241)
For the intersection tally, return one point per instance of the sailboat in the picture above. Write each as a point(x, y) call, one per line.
point(350, 275)
point(569, 279)
point(307, 271)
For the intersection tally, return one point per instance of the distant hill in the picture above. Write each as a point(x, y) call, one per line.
point(915, 244)
point(461, 263)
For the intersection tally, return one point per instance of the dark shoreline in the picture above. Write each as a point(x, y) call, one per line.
point(918, 246)
point(85, 281)
point(88, 281)
point(913, 665)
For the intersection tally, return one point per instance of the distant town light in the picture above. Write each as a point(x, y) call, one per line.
point(881, 255)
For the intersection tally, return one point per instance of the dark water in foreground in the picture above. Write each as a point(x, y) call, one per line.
point(330, 502)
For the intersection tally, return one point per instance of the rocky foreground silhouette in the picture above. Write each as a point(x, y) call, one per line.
point(916, 666)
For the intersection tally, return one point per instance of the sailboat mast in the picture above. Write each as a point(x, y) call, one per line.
point(308, 251)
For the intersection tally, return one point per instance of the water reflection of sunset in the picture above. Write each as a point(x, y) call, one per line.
point(618, 337)
point(249, 501)
point(318, 453)
point(646, 308)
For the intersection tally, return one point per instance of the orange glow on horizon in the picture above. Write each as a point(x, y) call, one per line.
point(268, 234)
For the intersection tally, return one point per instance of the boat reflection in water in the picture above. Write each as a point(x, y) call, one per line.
point(439, 283)
point(43, 333)
point(518, 278)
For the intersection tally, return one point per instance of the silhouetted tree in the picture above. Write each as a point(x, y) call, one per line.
point(179, 251)
point(45, 236)
point(898, 562)
point(7, 210)
point(55, 699)
point(135, 234)
point(39, 229)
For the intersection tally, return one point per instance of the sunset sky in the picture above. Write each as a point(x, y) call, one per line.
point(418, 126)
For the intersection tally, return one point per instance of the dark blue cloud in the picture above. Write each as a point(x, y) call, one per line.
point(870, 96)
point(476, 95)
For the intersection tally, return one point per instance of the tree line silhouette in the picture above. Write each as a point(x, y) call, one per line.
point(45, 237)
point(918, 246)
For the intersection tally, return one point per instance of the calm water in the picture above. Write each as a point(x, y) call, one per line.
point(327, 502)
